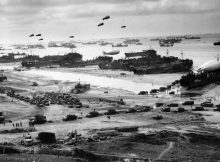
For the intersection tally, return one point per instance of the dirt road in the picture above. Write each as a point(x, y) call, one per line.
point(166, 150)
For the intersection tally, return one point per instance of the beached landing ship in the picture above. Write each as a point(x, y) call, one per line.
point(206, 74)
point(149, 63)
point(165, 43)
point(142, 54)
point(69, 60)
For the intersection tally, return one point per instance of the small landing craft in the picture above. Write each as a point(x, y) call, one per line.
point(38, 35)
point(31, 35)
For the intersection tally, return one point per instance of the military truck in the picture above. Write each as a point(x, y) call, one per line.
point(70, 117)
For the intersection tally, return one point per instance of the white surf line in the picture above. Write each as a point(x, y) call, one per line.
point(166, 150)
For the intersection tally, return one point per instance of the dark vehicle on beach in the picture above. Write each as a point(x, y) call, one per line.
point(70, 117)
point(3, 78)
point(153, 91)
point(80, 88)
point(217, 108)
point(38, 119)
point(159, 104)
point(144, 109)
point(173, 105)
point(46, 137)
point(2, 119)
point(111, 112)
point(188, 103)
point(162, 89)
point(93, 114)
point(131, 110)
point(172, 92)
point(207, 104)
point(143, 93)
point(166, 109)
point(199, 108)
point(27, 141)
point(158, 117)
point(181, 109)
point(35, 84)
point(169, 87)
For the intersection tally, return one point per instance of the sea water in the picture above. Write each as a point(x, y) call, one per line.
point(199, 50)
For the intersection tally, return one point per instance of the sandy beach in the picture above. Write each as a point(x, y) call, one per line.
point(22, 82)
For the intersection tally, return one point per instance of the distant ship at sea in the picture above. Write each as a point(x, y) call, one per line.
point(38, 46)
point(166, 43)
point(131, 41)
point(89, 43)
point(120, 45)
point(61, 44)
point(139, 43)
point(103, 43)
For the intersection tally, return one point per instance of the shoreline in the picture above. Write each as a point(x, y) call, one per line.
point(160, 79)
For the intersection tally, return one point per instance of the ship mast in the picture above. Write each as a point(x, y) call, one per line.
point(181, 54)
point(167, 53)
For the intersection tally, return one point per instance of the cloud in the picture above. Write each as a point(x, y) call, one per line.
point(42, 10)
point(46, 14)
point(26, 12)
point(88, 8)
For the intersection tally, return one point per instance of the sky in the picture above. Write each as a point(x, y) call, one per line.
point(57, 19)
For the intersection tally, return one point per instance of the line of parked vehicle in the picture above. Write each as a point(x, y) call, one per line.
point(201, 107)
point(47, 99)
